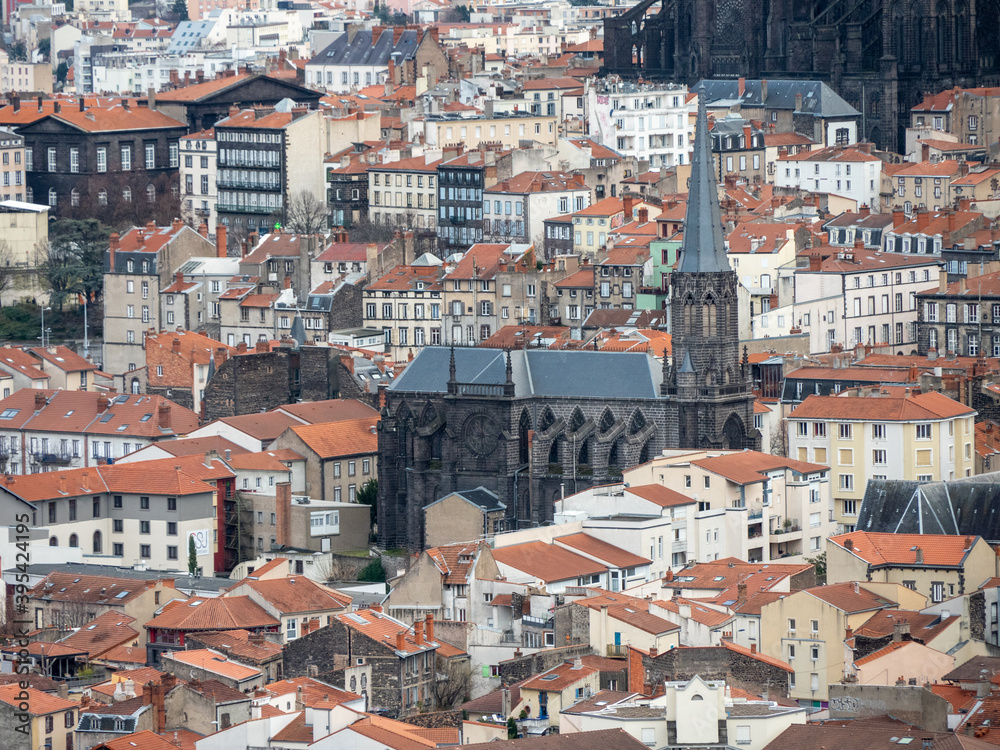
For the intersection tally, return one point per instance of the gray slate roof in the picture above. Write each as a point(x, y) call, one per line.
point(480, 496)
point(361, 50)
point(818, 99)
point(537, 372)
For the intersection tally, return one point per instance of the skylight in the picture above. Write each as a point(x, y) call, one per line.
point(107, 418)
point(122, 428)
point(146, 417)
point(9, 413)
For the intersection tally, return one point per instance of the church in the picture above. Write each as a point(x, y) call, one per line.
point(881, 56)
point(532, 424)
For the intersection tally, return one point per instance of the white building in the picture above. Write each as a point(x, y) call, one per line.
point(852, 173)
point(198, 174)
point(651, 121)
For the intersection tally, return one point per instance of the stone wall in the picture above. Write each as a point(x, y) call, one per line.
point(521, 667)
point(715, 663)
point(436, 719)
point(572, 625)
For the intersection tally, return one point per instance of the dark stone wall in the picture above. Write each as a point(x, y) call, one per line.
point(258, 381)
point(436, 720)
point(347, 307)
point(521, 667)
point(572, 625)
point(716, 663)
point(977, 616)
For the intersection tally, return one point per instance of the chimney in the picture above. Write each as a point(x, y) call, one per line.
point(401, 641)
point(743, 86)
point(203, 230)
point(15, 100)
point(283, 499)
point(40, 401)
point(221, 250)
point(627, 201)
point(643, 215)
point(815, 262)
point(923, 219)
point(40, 107)
point(753, 648)
point(57, 107)
point(943, 281)
point(102, 403)
point(900, 631)
point(429, 626)
point(741, 592)
point(919, 554)
point(163, 412)
point(418, 632)
point(175, 346)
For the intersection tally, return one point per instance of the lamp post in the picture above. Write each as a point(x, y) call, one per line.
point(44, 331)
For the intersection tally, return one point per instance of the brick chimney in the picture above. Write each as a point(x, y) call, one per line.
point(418, 632)
point(741, 592)
point(627, 202)
point(40, 401)
point(203, 230)
point(114, 242)
point(815, 262)
point(221, 250)
point(283, 501)
point(175, 226)
point(643, 215)
point(401, 641)
point(163, 412)
point(429, 623)
point(923, 219)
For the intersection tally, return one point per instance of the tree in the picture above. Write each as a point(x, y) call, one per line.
point(511, 728)
point(61, 72)
point(306, 214)
point(373, 572)
point(464, 14)
point(381, 13)
point(192, 556)
point(779, 439)
point(179, 9)
point(6, 266)
point(75, 259)
point(454, 689)
point(368, 495)
point(44, 47)
point(819, 563)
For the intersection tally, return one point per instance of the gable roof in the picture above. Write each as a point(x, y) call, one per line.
point(607, 553)
point(103, 633)
point(350, 437)
point(849, 597)
point(547, 562)
point(216, 613)
point(887, 550)
point(296, 594)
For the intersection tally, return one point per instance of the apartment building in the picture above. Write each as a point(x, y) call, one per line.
point(267, 158)
point(969, 114)
point(199, 172)
point(180, 363)
point(593, 225)
point(927, 184)
point(882, 433)
point(878, 292)
point(852, 172)
point(406, 305)
point(751, 506)
point(12, 164)
point(756, 251)
point(619, 276)
point(739, 149)
point(962, 317)
point(546, 96)
point(505, 130)
point(515, 210)
point(404, 194)
point(644, 121)
point(461, 181)
point(140, 263)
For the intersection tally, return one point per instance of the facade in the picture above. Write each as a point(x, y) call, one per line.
point(105, 155)
point(739, 149)
point(198, 169)
point(255, 183)
point(514, 210)
point(461, 181)
point(12, 165)
point(963, 317)
point(36, 720)
point(504, 130)
point(140, 263)
point(650, 121)
point(892, 435)
point(853, 173)
point(404, 194)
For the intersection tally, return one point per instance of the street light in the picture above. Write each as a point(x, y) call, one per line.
point(44, 310)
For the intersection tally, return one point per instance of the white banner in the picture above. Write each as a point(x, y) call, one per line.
point(202, 541)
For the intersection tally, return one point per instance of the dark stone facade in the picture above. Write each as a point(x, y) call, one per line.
point(711, 663)
point(880, 56)
point(258, 381)
point(335, 646)
point(521, 667)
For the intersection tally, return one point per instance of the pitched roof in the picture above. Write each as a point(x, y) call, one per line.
point(263, 426)
point(559, 677)
point(216, 663)
point(850, 597)
point(146, 740)
point(197, 91)
point(384, 629)
point(296, 594)
point(880, 549)
point(730, 646)
point(547, 562)
point(347, 438)
point(82, 588)
point(64, 359)
point(38, 703)
point(103, 633)
point(902, 408)
point(114, 119)
point(599, 739)
point(870, 734)
point(216, 613)
point(660, 495)
point(608, 553)
point(455, 561)
point(749, 467)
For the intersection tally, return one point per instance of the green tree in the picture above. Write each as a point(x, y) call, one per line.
point(511, 729)
point(75, 263)
point(180, 10)
point(44, 46)
point(61, 72)
point(368, 495)
point(381, 13)
point(819, 563)
point(192, 556)
point(373, 572)
point(464, 14)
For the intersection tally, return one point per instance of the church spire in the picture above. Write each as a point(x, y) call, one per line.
point(703, 249)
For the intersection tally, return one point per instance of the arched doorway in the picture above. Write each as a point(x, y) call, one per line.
point(733, 434)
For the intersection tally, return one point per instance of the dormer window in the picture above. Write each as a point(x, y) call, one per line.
point(420, 286)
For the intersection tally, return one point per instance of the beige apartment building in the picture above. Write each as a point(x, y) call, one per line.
point(141, 262)
point(12, 169)
point(508, 130)
point(406, 304)
point(404, 193)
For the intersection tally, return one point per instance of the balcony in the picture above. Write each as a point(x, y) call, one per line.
point(235, 209)
point(248, 185)
point(204, 212)
point(617, 650)
point(53, 459)
point(536, 622)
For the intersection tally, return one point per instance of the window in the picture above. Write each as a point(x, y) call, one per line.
point(171, 528)
point(879, 457)
point(102, 159)
point(819, 429)
point(850, 507)
point(847, 482)
point(791, 624)
point(878, 432)
point(923, 432)
point(150, 156)
point(845, 431)
point(126, 153)
point(937, 591)
point(145, 551)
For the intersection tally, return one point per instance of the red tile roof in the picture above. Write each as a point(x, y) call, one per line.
point(100, 635)
point(216, 663)
point(608, 553)
point(38, 703)
point(559, 677)
point(455, 561)
point(217, 613)
point(886, 550)
point(912, 408)
point(296, 594)
point(197, 91)
point(383, 629)
point(144, 740)
point(352, 437)
point(850, 597)
point(749, 467)
point(729, 645)
point(547, 562)
point(660, 495)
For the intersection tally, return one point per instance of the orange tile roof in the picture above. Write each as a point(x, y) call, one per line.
point(885, 651)
point(296, 594)
point(146, 740)
point(116, 118)
point(352, 437)
point(660, 495)
point(140, 677)
point(103, 633)
point(263, 426)
point(405, 278)
point(38, 703)
point(60, 586)
point(559, 677)
point(416, 164)
point(880, 549)
point(64, 359)
point(200, 446)
point(603, 551)
point(756, 655)
point(915, 407)
point(547, 562)
point(391, 734)
point(313, 691)
point(749, 467)
point(22, 363)
point(125, 655)
point(849, 597)
point(216, 613)
point(383, 629)
point(197, 91)
point(455, 561)
point(923, 627)
point(216, 663)
point(296, 731)
point(711, 618)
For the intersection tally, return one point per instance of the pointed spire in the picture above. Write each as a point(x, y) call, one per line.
point(451, 367)
point(510, 369)
point(688, 365)
point(704, 248)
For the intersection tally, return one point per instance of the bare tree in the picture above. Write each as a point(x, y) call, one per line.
point(6, 266)
point(305, 214)
point(779, 439)
point(453, 688)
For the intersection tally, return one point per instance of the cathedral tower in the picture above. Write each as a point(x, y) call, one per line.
point(708, 382)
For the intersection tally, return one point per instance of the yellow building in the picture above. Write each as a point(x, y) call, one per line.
point(889, 434)
point(508, 130)
point(50, 721)
point(938, 566)
point(548, 693)
point(807, 629)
